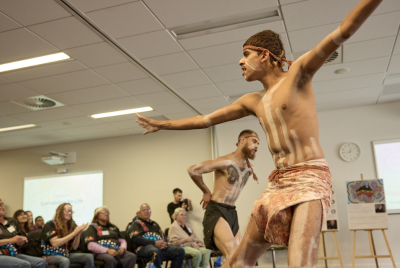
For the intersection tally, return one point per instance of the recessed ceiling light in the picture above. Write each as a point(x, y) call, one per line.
point(342, 71)
point(123, 112)
point(33, 62)
point(17, 127)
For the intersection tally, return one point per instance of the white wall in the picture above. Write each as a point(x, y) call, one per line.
point(361, 125)
point(137, 169)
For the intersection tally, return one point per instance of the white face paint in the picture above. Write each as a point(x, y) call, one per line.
point(296, 140)
point(252, 65)
point(315, 146)
point(286, 136)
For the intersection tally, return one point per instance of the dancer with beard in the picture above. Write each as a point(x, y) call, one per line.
point(221, 227)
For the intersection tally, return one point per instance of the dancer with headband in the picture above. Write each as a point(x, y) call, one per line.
point(221, 226)
point(291, 210)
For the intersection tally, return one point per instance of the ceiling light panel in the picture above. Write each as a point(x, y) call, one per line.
point(17, 127)
point(123, 112)
point(33, 62)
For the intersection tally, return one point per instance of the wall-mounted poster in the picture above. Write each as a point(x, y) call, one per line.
point(332, 219)
point(366, 205)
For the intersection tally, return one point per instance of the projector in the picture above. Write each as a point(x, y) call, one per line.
point(53, 160)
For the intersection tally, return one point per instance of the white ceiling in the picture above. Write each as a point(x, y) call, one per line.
point(202, 70)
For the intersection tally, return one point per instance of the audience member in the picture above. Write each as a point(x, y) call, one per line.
point(105, 241)
point(39, 222)
point(22, 219)
point(61, 234)
point(148, 242)
point(181, 234)
point(332, 225)
point(178, 203)
point(11, 238)
point(32, 226)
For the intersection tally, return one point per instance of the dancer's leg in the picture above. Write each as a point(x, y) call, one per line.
point(251, 247)
point(304, 234)
point(224, 239)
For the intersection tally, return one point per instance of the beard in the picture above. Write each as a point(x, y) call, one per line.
point(248, 152)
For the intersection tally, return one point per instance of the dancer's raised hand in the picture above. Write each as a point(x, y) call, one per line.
point(150, 125)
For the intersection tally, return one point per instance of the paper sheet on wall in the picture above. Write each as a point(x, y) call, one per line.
point(332, 219)
point(366, 205)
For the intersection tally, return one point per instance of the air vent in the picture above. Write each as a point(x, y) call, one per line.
point(332, 57)
point(227, 23)
point(38, 103)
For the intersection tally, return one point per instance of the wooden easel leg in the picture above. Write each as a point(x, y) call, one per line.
point(337, 249)
point(323, 250)
point(374, 250)
point(354, 250)
point(387, 244)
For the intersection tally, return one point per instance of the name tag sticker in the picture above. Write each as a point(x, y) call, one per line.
point(11, 229)
point(190, 230)
point(105, 233)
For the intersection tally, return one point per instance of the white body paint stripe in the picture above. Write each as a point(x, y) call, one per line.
point(286, 136)
point(315, 146)
point(296, 140)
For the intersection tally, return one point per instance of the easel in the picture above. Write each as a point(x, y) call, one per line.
point(371, 246)
point(323, 249)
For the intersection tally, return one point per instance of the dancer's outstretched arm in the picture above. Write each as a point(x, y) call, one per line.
point(196, 173)
point(311, 62)
point(239, 109)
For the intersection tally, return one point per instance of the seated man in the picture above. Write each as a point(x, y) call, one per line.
point(39, 222)
point(148, 240)
point(178, 203)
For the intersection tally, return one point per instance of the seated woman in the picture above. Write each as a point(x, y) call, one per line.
point(22, 219)
point(181, 234)
point(60, 235)
point(104, 239)
point(11, 238)
point(31, 225)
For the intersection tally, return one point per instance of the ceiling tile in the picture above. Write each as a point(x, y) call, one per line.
point(28, 12)
point(172, 108)
point(87, 130)
point(392, 80)
point(9, 108)
point(120, 72)
point(357, 68)
point(90, 5)
point(346, 104)
point(35, 139)
point(368, 49)
point(198, 11)
point(66, 33)
point(7, 121)
point(100, 135)
point(181, 115)
point(186, 79)
point(172, 63)
point(338, 84)
point(6, 23)
point(230, 36)
point(86, 95)
point(109, 105)
point(286, 2)
point(43, 71)
point(4, 81)
point(389, 98)
point(209, 103)
point(199, 92)
point(68, 123)
point(65, 82)
point(14, 92)
point(141, 86)
point(223, 73)
point(394, 66)
point(48, 115)
point(96, 55)
point(125, 20)
point(128, 117)
point(157, 98)
point(345, 95)
point(316, 12)
point(239, 87)
point(217, 55)
point(21, 44)
point(150, 44)
point(126, 124)
point(397, 46)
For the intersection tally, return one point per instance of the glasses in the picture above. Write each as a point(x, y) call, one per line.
point(69, 211)
point(105, 212)
point(146, 210)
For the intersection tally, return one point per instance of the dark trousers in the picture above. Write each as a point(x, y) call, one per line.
point(176, 254)
point(128, 260)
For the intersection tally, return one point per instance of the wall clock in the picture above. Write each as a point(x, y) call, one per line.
point(349, 151)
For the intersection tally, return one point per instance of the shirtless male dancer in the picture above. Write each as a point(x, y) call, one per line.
point(221, 226)
point(298, 194)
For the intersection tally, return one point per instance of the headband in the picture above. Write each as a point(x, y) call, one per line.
point(289, 62)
